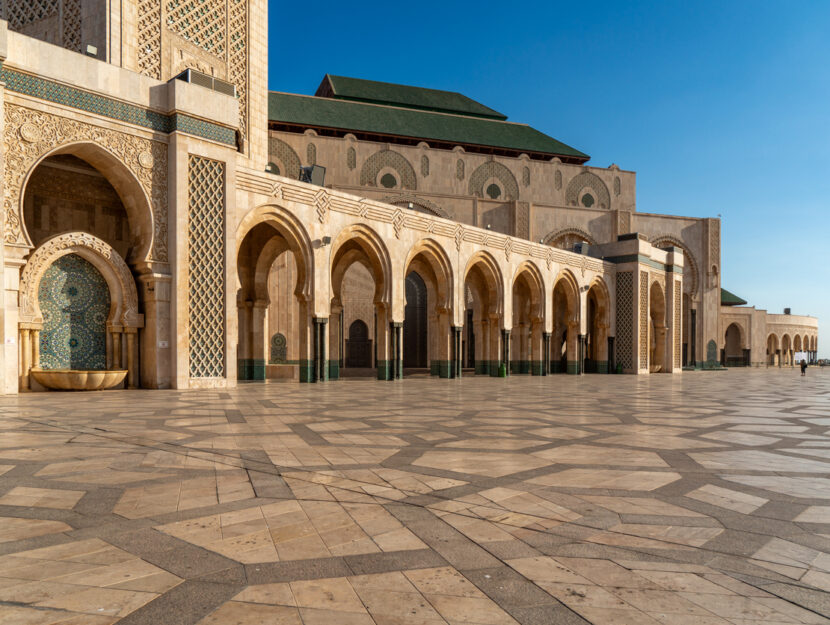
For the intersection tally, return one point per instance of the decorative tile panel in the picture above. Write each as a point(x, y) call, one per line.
point(75, 301)
point(149, 38)
point(625, 319)
point(206, 270)
point(96, 104)
point(201, 22)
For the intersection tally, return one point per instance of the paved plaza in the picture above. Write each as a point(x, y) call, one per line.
point(701, 498)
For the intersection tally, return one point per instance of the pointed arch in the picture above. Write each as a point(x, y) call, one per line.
point(360, 242)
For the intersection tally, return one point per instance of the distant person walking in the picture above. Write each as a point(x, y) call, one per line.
point(803, 368)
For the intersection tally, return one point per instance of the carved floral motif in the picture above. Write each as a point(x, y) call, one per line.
point(53, 132)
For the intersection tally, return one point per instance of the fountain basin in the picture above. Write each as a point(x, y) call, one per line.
point(78, 380)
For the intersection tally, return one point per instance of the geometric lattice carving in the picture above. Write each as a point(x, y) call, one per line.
point(201, 22)
point(351, 158)
point(459, 169)
point(238, 58)
point(625, 318)
point(284, 155)
point(644, 342)
point(557, 180)
point(387, 158)
point(526, 176)
point(714, 242)
point(149, 38)
point(206, 270)
point(591, 181)
point(72, 25)
point(523, 220)
point(678, 307)
point(20, 14)
point(617, 185)
point(279, 349)
point(424, 166)
point(311, 154)
point(489, 170)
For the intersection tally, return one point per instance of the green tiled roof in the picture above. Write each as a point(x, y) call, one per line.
point(730, 299)
point(319, 112)
point(374, 92)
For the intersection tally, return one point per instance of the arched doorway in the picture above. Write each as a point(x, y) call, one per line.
point(483, 284)
point(565, 337)
point(658, 331)
point(87, 216)
point(358, 346)
point(360, 249)
point(734, 354)
point(415, 323)
point(786, 351)
point(598, 319)
point(528, 321)
point(772, 350)
point(274, 338)
point(436, 343)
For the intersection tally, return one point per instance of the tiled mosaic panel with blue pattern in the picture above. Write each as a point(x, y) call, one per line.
point(75, 302)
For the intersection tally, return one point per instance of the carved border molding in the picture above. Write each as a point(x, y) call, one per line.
point(28, 135)
point(103, 257)
point(302, 193)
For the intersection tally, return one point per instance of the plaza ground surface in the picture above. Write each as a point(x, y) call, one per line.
point(701, 498)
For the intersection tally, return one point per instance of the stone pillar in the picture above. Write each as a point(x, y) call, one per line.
point(537, 348)
point(457, 356)
point(572, 348)
point(383, 342)
point(35, 349)
point(155, 360)
point(505, 342)
point(117, 361)
point(305, 343)
point(660, 348)
point(545, 353)
point(481, 329)
point(433, 343)
point(495, 346)
point(581, 351)
point(26, 357)
point(445, 338)
point(397, 350)
point(601, 347)
point(321, 371)
point(131, 368)
point(335, 341)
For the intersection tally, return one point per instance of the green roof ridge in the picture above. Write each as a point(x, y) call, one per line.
point(407, 96)
point(322, 112)
point(727, 298)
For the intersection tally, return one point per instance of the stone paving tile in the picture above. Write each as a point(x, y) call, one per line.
point(695, 499)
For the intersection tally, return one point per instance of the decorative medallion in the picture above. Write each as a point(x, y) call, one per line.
point(29, 133)
point(146, 160)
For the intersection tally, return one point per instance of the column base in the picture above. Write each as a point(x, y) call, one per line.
point(306, 368)
point(444, 368)
point(334, 369)
point(384, 368)
point(250, 369)
point(537, 367)
point(573, 367)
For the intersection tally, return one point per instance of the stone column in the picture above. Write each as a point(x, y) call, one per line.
point(155, 347)
point(26, 355)
point(444, 344)
point(384, 351)
point(660, 348)
point(131, 368)
point(505, 341)
point(35, 349)
point(117, 362)
point(495, 346)
point(433, 333)
point(321, 372)
point(481, 328)
point(537, 348)
point(601, 347)
point(305, 343)
point(335, 345)
point(572, 348)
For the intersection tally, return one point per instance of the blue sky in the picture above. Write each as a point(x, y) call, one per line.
point(722, 108)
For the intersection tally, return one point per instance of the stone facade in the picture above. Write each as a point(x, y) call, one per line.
point(157, 191)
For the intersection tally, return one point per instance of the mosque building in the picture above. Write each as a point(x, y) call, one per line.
point(170, 223)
